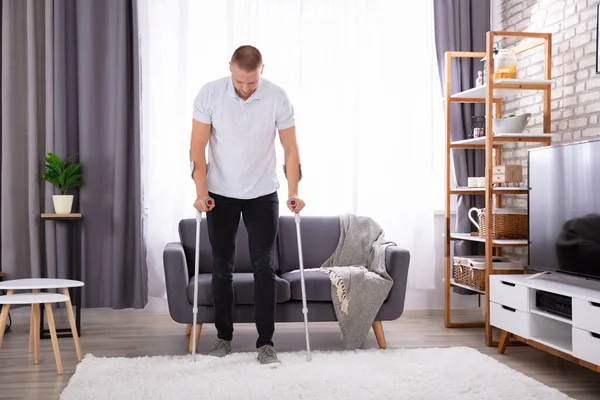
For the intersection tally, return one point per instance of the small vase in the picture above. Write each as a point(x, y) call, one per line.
point(62, 203)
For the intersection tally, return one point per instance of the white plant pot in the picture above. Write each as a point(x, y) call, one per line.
point(62, 203)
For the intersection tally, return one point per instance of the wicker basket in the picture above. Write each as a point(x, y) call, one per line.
point(507, 223)
point(470, 270)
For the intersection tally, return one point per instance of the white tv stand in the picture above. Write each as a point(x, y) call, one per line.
point(513, 310)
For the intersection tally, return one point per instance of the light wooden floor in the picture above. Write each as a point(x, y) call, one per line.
point(132, 333)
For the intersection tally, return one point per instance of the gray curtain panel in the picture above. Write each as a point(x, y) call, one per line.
point(461, 25)
point(26, 130)
point(91, 67)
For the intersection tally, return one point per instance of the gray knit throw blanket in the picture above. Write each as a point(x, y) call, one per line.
point(360, 282)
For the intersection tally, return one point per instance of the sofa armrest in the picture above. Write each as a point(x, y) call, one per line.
point(176, 280)
point(397, 261)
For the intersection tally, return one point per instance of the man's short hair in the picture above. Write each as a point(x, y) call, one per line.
point(247, 57)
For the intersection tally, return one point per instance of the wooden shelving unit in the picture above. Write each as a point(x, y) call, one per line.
point(491, 93)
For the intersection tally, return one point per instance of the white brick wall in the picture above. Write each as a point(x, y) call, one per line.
point(575, 105)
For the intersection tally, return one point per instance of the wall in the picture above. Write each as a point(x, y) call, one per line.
point(575, 106)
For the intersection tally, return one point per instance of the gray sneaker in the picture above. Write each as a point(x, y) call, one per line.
point(267, 355)
point(221, 348)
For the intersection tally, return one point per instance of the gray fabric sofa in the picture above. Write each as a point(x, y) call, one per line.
point(320, 236)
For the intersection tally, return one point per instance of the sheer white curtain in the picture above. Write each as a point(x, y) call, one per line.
point(363, 78)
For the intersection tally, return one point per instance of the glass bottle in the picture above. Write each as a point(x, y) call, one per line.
point(505, 65)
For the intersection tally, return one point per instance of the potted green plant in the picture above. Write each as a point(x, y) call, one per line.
point(64, 175)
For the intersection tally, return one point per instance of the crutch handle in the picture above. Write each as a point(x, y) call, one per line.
point(209, 201)
point(293, 202)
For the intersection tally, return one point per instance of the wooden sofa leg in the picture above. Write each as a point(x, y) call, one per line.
point(188, 329)
point(190, 343)
point(378, 329)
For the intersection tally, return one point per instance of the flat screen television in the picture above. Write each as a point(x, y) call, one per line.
point(564, 208)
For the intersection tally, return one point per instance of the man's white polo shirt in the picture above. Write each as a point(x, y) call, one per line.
point(241, 151)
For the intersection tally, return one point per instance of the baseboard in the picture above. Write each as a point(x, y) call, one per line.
point(440, 312)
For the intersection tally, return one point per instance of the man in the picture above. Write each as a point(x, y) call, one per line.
point(238, 116)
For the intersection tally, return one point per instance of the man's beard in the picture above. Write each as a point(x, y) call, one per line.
point(243, 95)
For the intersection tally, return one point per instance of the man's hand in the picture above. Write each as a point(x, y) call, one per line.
point(204, 203)
point(295, 204)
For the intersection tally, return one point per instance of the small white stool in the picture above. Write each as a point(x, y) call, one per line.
point(35, 299)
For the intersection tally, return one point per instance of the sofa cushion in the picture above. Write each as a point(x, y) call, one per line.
point(243, 289)
point(320, 236)
point(187, 235)
point(318, 285)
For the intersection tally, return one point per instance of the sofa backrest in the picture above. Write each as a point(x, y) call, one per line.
point(320, 236)
point(187, 235)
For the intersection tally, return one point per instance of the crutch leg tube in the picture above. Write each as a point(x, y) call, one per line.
point(293, 203)
point(209, 202)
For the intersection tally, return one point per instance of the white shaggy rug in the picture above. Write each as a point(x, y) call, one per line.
point(432, 373)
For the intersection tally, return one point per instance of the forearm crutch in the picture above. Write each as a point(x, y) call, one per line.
point(293, 202)
point(209, 202)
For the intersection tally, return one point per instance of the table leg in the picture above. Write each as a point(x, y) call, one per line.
point(48, 307)
point(41, 325)
point(3, 319)
point(72, 323)
point(63, 332)
point(35, 313)
point(32, 325)
point(31, 330)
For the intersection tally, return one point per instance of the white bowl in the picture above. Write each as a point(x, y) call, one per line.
point(516, 124)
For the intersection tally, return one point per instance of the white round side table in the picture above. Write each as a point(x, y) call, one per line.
point(37, 284)
point(35, 299)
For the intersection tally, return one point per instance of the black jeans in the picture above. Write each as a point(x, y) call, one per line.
point(261, 220)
